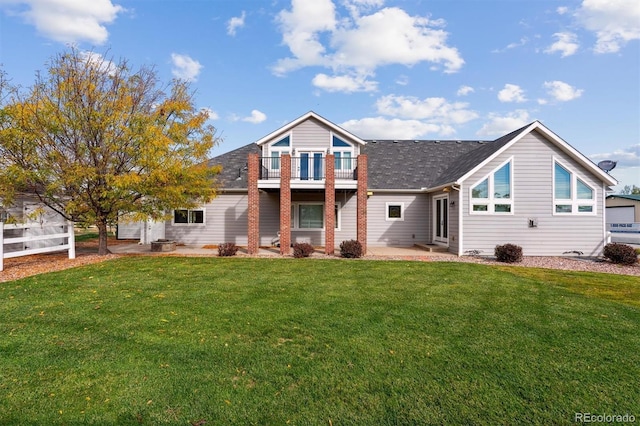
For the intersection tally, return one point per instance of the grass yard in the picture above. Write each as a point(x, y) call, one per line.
point(182, 341)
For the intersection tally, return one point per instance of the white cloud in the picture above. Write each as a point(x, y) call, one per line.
point(184, 67)
point(234, 23)
point(465, 90)
point(501, 125)
point(561, 91)
point(71, 21)
point(301, 28)
point(562, 10)
point(98, 61)
point(402, 80)
point(256, 117)
point(627, 157)
point(395, 128)
point(522, 42)
point(614, 22)
point(317, 36)
point(211, 113)
point(511, 93)
point(344, 83)
point(436, 110)
point(566, 43)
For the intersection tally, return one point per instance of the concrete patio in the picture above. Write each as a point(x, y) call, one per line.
point(197, 250)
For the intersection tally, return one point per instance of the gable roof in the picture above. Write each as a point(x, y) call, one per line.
point(514, 137)
point(409, 164)
point(310, 115)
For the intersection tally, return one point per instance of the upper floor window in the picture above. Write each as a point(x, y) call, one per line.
point(494, 193)
point(343, 153)
point(277, 150)
point(571, 195)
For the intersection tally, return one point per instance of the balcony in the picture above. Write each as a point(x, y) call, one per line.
point(309, 171)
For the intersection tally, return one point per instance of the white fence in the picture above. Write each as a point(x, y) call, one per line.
point(40, 237)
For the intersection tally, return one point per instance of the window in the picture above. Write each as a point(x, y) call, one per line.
point(311, 215)
point(395, 211)
point(494, 193)
point(343, 153)
point(342, 160)
point(188, 217)
point(571, 195)
point(277, 150)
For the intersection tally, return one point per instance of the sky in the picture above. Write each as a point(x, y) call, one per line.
point(382, 69)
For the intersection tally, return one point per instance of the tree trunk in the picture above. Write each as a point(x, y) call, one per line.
point(102, 239)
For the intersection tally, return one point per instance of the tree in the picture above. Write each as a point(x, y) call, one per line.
point(628, 190)
point(94, 140)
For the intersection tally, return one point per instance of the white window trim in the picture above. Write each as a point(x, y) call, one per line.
point(351, 157)
point(296, 212)
point(574, 201)
point(204, 217)
point(277, 151)
point(394, 219)
point(492, 201)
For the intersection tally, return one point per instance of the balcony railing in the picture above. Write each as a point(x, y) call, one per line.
point(310, 168)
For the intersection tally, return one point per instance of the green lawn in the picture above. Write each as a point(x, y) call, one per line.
point(305, 341)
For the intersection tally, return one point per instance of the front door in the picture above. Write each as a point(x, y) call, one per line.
point(441, 219)
point(310, 165)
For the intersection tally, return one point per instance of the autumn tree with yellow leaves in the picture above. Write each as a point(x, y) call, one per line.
point(94, 140)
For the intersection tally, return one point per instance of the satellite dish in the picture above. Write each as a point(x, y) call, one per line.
point(607, 165)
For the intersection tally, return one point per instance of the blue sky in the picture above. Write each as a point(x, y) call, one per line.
point(458, 69)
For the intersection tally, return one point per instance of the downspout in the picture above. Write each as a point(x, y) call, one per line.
point(457, 187)
point(603, 207)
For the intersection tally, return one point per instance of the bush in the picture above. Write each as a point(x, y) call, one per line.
point(620, 253)
point(227, 249)
point(351, 249)
point(508, 253)
point(302, 250)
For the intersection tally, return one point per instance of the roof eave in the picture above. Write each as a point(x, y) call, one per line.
point(556, 140)
point(287, 127)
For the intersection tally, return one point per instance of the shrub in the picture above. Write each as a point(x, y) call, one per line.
point(620, 253)
point(508, 253)
point(302, 250)
point(227, 249)
point(351, 249)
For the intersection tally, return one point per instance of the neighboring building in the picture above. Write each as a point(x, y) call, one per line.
point(623, 208)
point(315, 182)
point(623, 218)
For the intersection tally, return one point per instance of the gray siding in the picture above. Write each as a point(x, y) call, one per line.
point(310, 134)
point(225, 222)
point(533, 198)
point(413, 229)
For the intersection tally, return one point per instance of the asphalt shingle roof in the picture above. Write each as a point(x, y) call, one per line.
point(392, 164)
point(234, 164)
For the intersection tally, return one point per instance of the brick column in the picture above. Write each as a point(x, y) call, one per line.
point(285, 203)
point(253, 229)
point(329, 205)
point(362, 201)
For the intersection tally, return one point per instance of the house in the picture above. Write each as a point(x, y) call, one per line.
point(313, 181)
